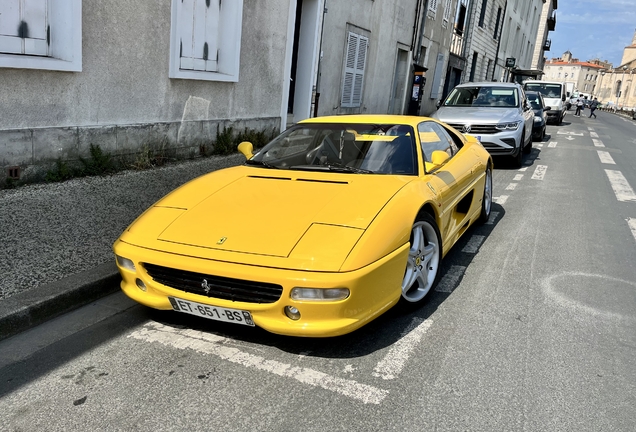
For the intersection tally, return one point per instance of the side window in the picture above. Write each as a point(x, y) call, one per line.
point(355, 64)
point(433, 137)
point(205, 39)
point(41, 34)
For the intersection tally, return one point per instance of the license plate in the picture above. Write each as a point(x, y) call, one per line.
point(216, 313)
point(479, 138)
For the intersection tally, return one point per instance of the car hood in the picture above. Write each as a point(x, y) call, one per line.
point(283, 219)
point(475, 115)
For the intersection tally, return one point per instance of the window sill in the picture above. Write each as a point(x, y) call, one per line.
point(21, 61)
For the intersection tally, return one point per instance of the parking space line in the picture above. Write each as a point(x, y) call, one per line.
point(605, 157)
point(539, 172)
point(598, 143)
point(552, 144)
point(632, 226)
point(501, 200)
point(621, 187)
point(207, 343)
point(593, 135)
point(523, 169)
point(518, 177)
point(492, 218)
point(511, 186)
point(392, 364)
point(590, 128)
point(450, 280)
point(473, 244)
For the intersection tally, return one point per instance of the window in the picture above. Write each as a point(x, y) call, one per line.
point(41, 34)
point(354, 70)
point(473, 66)
point(497, 23)
point(205, 40)
point(482, 16)
point(433, 137)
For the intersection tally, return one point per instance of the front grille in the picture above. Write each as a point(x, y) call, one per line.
point(217, 286)
point(487, 129)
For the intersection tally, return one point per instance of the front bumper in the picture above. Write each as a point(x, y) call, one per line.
point(373, 290)
point(554, 115)
point(505, 143)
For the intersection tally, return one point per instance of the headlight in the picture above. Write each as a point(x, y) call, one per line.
point(509, 126)
point(125, 263)
point(319, 294)
point(538, 119)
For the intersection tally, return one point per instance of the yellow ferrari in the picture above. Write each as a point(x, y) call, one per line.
point(316, 234)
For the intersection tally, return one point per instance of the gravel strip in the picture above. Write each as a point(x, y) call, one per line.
point(51, 231)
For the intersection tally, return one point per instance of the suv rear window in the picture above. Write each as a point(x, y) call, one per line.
point(483, 97)
point(547, 90)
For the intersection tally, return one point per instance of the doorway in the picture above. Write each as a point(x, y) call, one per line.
point(399, 82)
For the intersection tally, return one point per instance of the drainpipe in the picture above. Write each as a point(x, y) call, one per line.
point(418, 44)
point(415, 21)
point(503, 22)
point(322, 28)
point(468, 31)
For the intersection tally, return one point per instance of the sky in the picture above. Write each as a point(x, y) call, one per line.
point(593, 29)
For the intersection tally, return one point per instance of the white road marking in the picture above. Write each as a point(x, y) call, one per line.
point(501, 200)
point(207, 343)
point(392, 364)
point(518, 177)
point(569, 133)
point(450, 280)
point(539, 145)
point(539, 172)
point(593, 135)
point(632, 226)
point(552, 144)
point(590, 128)
point(523, 169)
point(598, 143)
point(473, 244)
point(605, 157)
point(511, 186)
point(492, 218)
point(622, 189)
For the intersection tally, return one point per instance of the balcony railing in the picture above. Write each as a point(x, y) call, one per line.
point(552, 22)
point(457, 44)
point(547, 44)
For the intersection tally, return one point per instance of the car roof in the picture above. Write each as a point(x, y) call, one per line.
point(370, 119)
point(489, 84)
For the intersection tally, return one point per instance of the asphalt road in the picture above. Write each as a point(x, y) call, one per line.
point(532, 328)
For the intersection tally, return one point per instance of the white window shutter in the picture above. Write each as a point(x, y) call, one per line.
point(355, 64)
point(199, 34)
point(447, 9)
point(432, 5)
point(24, 27)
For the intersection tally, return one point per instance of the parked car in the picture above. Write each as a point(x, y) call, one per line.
point(317, 233)
point(540, 114)
point(554, 94)
point(497, 114)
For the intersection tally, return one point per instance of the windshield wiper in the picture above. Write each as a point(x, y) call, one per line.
point(260, 163)
point(343, 168)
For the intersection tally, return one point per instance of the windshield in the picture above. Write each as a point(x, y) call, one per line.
point(348, 148)
point(547, 90)
point(483, 97)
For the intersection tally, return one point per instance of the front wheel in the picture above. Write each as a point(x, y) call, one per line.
point(486, 202)
point(423, 263)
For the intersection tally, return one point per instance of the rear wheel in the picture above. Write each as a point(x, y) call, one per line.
point(517, 159)
point(423, 263)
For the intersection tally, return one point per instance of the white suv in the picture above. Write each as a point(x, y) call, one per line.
point(497, 114)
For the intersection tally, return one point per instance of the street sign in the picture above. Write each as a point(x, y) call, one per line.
point(510, 62)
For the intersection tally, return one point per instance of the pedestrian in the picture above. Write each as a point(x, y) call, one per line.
point(579, 105)
point(593, 106)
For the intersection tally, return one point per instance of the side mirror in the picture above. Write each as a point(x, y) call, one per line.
point(439, 157)
point(547, 108)
point(438, 104)
point(246, 148)
point(563, 98)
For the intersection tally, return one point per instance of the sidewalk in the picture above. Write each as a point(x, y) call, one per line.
point(56, 248)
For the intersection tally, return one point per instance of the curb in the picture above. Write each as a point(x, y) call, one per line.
point(30, 308)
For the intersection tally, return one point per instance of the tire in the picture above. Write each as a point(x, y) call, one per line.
point(560, 120)
point(542, 134)
point(517, 159)
point(424, 262)
point(486, 201)
point(528, 147)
